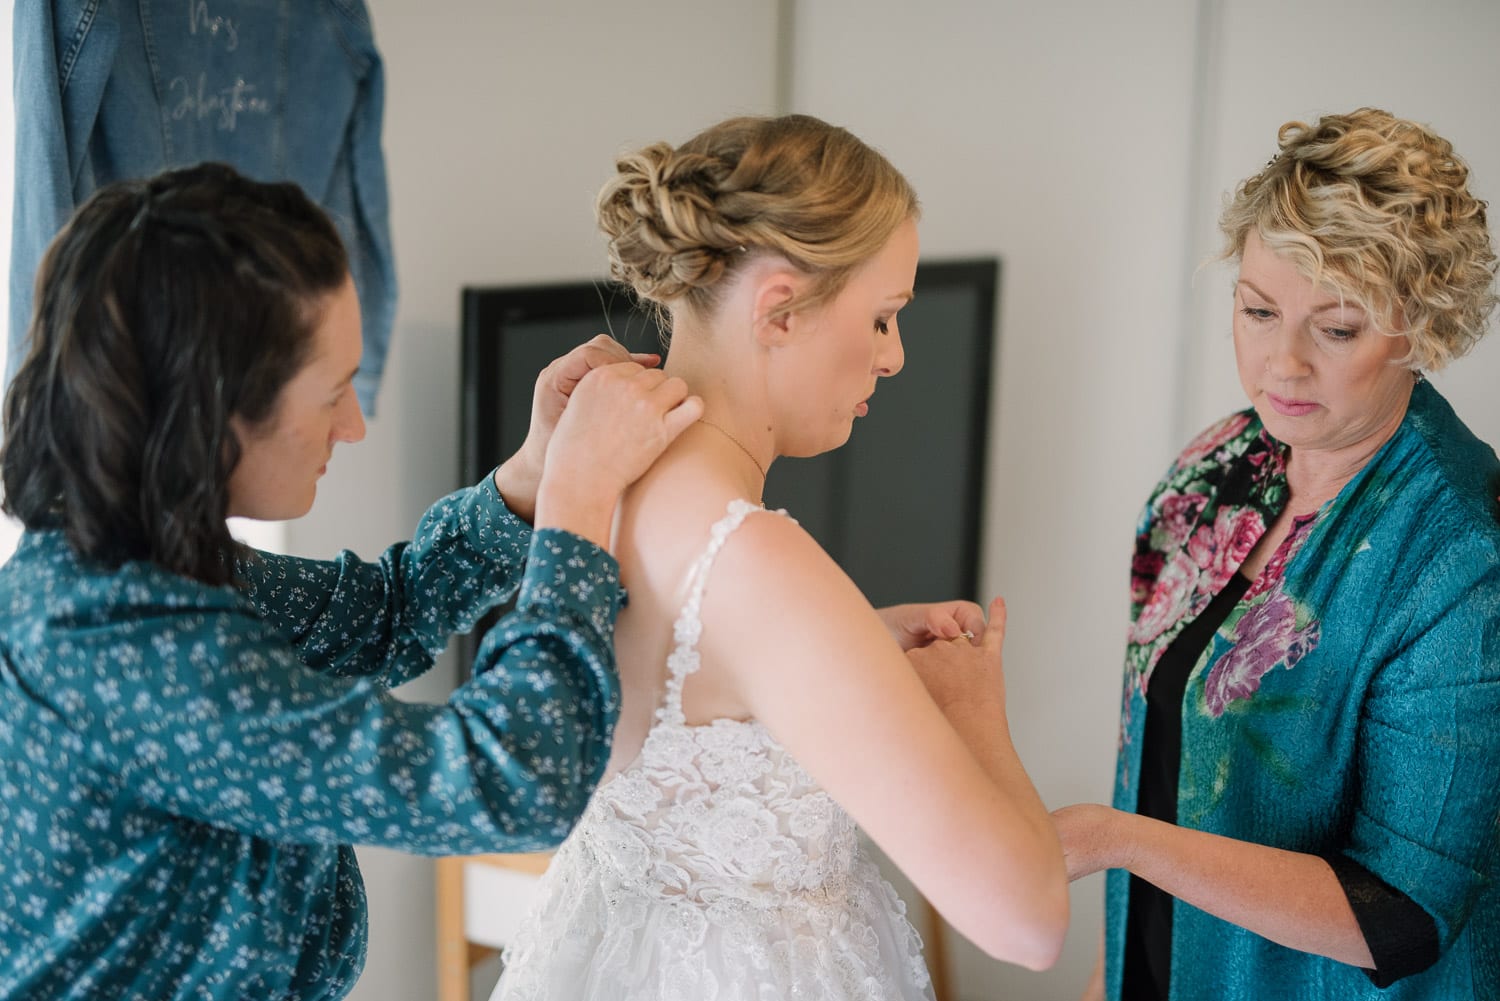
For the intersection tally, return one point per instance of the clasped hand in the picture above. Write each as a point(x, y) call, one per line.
point(954, 651)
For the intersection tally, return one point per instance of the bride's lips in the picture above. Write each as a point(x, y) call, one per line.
point(862, 408)
point(1290, 408)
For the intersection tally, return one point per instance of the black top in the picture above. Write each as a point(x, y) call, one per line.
point(1401, 936)
point(1148, 929)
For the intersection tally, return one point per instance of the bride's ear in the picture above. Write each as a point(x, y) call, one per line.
point(773, 323)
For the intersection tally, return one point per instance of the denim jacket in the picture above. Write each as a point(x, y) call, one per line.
point(113, 89)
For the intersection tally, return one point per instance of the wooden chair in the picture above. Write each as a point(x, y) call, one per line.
point(470, 929)
point(469, 932)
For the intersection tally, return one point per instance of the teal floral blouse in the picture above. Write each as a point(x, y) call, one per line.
point(184, 768)
point(1349, 704)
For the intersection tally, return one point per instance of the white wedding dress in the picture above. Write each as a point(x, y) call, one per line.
point(713, 868)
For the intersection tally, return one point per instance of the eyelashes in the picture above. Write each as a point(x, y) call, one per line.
point(1336, 335)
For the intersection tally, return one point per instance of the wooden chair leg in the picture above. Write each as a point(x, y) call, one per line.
point(453, 961)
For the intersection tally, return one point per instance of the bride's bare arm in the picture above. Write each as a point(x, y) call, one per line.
point(967, 683)
point(812, 660)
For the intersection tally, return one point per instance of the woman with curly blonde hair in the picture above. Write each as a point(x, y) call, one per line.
point(1306, 801)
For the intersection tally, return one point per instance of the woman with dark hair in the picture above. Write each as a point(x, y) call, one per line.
point(192, 733)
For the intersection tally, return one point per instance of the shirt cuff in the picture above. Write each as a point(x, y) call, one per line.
point(1401, 936)
point(510, 522)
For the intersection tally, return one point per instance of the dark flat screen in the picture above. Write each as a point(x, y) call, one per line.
point(898, 507)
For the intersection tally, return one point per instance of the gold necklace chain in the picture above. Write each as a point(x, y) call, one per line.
point(758, 466)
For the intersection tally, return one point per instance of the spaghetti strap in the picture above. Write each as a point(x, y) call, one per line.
point(686, 631)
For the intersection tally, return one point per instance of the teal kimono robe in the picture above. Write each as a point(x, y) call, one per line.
point(1349, 704)
point(183, 768)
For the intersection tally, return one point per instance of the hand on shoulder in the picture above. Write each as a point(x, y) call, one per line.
point(625, 411)
point(619, 419)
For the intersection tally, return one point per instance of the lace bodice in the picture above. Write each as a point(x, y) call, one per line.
point(718, 812)
point(716, 855)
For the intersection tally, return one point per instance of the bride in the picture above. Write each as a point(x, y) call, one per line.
point(766, 707)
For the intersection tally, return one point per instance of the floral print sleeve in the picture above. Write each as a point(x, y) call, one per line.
point(202, 710)
point(389, 619)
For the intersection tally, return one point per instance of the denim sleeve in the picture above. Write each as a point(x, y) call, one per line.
point(375, 256)
point(62, 50)
point(1425, 820)
point(387, 620)
point(203, 711)
point(368, 233)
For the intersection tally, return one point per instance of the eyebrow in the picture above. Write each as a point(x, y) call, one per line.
point(1331, 304)
point(905, 297)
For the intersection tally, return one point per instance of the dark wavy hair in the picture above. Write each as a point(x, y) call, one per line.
point(163, 307)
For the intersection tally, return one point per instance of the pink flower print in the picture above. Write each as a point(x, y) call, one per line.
point(1268, 461)
point(1218, 550)
point(1169, 600)
point(1275, 567)
point(1145, 567)
point(1176, 516)
point(1268, 637)
point(1211, 439)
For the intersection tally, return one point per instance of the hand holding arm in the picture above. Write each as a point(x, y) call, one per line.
point(1429, 850)
point(1291, 898)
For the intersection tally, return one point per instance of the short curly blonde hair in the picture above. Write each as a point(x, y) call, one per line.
point(1379, 209)
point(682, 220)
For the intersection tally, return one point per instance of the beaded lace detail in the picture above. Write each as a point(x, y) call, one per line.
point(712, 867)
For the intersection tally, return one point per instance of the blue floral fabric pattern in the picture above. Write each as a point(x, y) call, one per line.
point(184, 768)
point(1349, 704)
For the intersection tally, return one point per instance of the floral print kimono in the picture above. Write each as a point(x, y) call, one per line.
point(1349, 704)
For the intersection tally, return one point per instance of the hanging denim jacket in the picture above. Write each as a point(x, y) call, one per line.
point(284, 91)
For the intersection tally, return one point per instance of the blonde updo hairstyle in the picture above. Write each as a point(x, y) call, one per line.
point(1379, 209)
point(683, 221)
